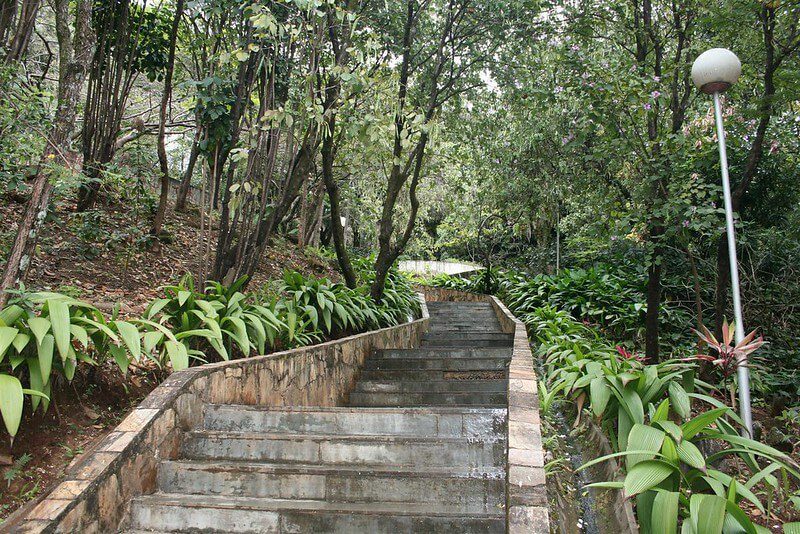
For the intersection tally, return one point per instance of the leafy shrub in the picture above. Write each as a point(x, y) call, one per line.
point(611, 298)
point(49, 334)
point(647, 412)
point(191, 324)
point(46, 334)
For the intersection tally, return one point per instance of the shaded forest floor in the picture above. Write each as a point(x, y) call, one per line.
point(102, 257)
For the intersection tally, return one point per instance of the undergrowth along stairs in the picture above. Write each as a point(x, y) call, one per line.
point(421, 447)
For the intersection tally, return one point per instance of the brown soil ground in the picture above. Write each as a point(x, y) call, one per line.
point(103, 261)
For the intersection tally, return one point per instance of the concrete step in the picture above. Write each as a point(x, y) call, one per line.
point(433, 374)
point(465, 316)
point(419, 422)
point(441, 364)
point(444, 352)
point(469, 490)
point(344, 450)
point(358, 398)
point(467, 339)
point(198, 513)
point(436, 328)
point(431, 386)
point(459, 305)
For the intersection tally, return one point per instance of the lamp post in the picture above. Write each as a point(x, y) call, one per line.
point(713, 72)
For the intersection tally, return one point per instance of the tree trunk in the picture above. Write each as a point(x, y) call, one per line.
point(18, 41)
point(8, 12)
point(337, 230)
point(771, 64)
point(186, 181)
point(653, 308)
point(74, 60)
point(161, 211)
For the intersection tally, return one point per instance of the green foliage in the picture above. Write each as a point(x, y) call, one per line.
point(49, 334)
point(43, 334)
point(612, 299)
point(647, 409)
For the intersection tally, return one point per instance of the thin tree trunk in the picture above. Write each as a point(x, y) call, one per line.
point(18, 42)
point(73, 62)
point(186, 182)
point(337, 230)
point(161, 211)
point(653, 309)
point(771, 64)
point(8, 12)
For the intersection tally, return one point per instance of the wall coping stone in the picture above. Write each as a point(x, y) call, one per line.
point(94, 495)
point(526, 493)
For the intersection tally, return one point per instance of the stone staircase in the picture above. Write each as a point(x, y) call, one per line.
point(421, 447)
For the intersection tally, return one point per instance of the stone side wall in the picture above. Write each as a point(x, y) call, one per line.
point(436, 294)
point(95, 493)
point(526, 499)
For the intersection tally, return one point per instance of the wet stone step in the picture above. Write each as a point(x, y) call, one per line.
point(420, 422)
point(434, 374)
point(432, 386)
point(428, 399)
point(208, 514)
point(442, 364)
point(349, 450)
point(463, 352)
point(468, 490)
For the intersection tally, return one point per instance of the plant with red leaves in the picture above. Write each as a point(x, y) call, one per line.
point(625, 353)
point(728, 356)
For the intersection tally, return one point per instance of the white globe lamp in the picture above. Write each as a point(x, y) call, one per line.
point(713, 72)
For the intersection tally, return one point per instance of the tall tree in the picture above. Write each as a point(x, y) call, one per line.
point(780, 33)
point(75, 54)
point(17, 21)
point(161, 210)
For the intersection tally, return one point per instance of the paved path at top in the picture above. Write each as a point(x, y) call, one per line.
point(437, 267)
point(420, 448)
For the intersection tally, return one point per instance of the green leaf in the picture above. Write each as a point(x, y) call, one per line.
point(665, 513)
point(130, 336)
point(7, 336)
point(155, 307)
point(599, 393)
point(691, 455)
point(646, 475)
point(121, 357)
point(11, 403)
point(10, 315)
point(178, 355)
point(633, 404)
point(60, 320)
point(39, 326)
point(183, 296)
point(680, 400)
point(70, 364)
point(662, 413)
point(45, 353)
point(36, 381)
point(644, 438)
point(791, 528)
point(80, 333)
point(151, 339)
point(707, 513)
point(701, 422)
point(672, 429)
point(291, 322)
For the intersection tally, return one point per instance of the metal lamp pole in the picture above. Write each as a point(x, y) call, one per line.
point(713, 72)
